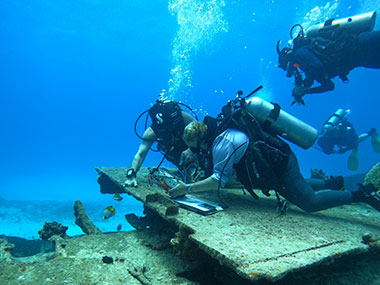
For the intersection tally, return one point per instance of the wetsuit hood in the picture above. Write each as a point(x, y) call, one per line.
point(284, 56)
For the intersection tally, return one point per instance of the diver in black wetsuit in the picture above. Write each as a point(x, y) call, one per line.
point(330, 54)
point(338, 135)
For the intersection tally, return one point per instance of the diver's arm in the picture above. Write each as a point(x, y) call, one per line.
point(308, 82)
point(314, 70)
point(209, 183)
point(325, 86)
point(149, 138)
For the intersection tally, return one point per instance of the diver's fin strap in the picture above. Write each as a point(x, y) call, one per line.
point(273, 116)
point(253, 194)
point(373, 196)
point(282, 204)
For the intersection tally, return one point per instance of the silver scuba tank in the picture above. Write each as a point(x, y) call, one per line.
point(356, 24)
point(282, 123)
point(335, 119)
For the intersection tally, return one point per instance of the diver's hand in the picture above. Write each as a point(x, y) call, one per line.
point(178, 191)
point(298, 93)
point(187, 157)
point(130, 182)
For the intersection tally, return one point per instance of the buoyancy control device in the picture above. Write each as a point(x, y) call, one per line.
point(167, 123)
point(263, 164)
point(355, 24)
point(278, 122)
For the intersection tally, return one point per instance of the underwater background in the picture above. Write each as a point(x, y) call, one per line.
point(75, 75)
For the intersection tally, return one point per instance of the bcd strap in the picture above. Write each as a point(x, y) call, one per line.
point(273, 116)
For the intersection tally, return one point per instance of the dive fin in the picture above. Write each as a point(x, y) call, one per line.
point(376, 143)
point(353, 160)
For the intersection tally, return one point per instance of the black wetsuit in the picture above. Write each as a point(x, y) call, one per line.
point(172, 147)
point(299, 192)
point(369, 49)
point(343, 136)
point(366, 53)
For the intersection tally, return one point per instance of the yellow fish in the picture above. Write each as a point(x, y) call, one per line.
point(117, 197)
point(109, 212)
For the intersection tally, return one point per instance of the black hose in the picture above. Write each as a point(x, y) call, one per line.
point(294, 26)
point(188, 107)
point(137, 120)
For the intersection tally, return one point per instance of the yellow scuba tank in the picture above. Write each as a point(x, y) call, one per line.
point(356, 24)
point(282, 123)
point(335, 119)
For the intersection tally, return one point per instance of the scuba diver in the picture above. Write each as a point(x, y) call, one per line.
point(168, 123)
point(327, 50)
point(339, 132)
point(261, 159)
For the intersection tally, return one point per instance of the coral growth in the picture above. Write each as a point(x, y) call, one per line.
point(373, 176)
point(51, 229)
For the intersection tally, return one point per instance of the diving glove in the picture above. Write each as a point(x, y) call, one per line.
point(298, 93)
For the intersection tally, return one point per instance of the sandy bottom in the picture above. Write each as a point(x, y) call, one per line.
point(25, 218)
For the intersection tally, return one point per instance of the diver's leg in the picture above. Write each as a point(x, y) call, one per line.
point(316, 184)
point(300, 193)
point(334, 183)
point(375, 140)
point(369, 46)
point(362, 137)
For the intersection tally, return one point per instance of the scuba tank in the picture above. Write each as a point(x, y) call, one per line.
point(355, 24)
point(335, 119)
point(281, 123)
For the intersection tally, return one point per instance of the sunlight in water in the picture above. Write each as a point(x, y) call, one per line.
point(266, 92)
point(370, 5)
point(198, 23)
point(320, 14)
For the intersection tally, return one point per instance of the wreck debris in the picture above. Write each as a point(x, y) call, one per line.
point(139, 223)
point(5, 248)
point(51, 229)
point(83, 221)
point(140, 275)
point(107, 259)
point(318, 174)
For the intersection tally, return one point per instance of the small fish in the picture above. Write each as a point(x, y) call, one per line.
point(117, 197)
point(109, 212)
point(118, 228)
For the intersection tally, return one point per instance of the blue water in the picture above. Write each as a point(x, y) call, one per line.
point(74, 75)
